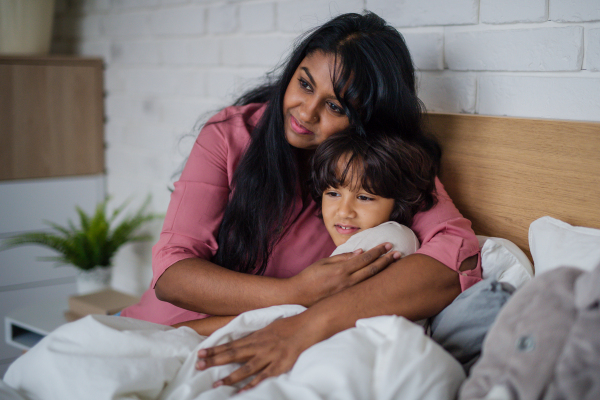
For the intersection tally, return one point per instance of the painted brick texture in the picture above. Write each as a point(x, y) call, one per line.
point(538, 49)
point(510, 11)
point(424, 13)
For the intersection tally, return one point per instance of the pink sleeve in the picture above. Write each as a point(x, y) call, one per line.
point(446, 236)
point(200, 196)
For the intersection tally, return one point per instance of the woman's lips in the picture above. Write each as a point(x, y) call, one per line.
point(346, 229)
point(296, 127)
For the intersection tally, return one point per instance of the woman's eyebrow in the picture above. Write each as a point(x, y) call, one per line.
point(310, 78)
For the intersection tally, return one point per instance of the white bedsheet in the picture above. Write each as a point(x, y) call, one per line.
point(101, 357)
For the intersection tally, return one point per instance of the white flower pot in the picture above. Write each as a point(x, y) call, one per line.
point(93, 280)
point(26, 26)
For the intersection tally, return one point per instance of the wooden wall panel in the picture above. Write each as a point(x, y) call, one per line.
point(51, 117)
point(504, 173)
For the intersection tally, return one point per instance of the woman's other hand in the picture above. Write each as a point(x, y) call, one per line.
point(331, 275)
point(266, 353)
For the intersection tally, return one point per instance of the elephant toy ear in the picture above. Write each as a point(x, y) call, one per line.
point(587, 289)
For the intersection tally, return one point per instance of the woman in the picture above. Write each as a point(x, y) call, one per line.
point(224, 251)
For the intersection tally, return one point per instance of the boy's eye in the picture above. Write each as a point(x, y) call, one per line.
point(365, 198)
point(331, 194)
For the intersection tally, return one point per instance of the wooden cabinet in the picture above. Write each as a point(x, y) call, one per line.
point(51, 117)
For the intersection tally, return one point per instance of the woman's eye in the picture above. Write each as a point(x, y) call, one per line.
point(305, 85)
point(335, 108)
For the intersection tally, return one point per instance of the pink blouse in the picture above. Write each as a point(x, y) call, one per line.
point(201, 195)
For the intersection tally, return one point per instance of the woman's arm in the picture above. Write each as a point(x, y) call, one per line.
point(202, 286)
point(415, 287)
point(206, 326)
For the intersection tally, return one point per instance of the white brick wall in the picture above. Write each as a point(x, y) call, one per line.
point(592, 53)
point(574, 10)
point(300, 15)
point(170, 63)
point(536, 49)
point(423, 13)
point(556, 97)
point(253, 51)
point(178, 21)
point(426, 49)
point(130, 24)
point(448, 92)
point(222, 18)
point(510, 11)
point(257, 17)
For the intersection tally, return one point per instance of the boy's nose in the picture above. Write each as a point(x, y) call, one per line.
point(346, 210)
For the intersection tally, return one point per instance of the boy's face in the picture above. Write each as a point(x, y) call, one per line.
point(347, 212)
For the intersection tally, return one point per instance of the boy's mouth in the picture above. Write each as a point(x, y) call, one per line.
point(346, 229)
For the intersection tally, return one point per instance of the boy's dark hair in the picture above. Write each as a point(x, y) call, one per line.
point(382, 164)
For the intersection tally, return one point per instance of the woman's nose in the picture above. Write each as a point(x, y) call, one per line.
point(309, 111)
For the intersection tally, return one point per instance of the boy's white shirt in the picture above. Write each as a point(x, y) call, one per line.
point(402, 238)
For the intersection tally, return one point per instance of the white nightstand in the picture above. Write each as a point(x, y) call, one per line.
point(26, 326)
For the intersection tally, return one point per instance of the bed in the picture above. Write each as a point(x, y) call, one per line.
point(502, 173)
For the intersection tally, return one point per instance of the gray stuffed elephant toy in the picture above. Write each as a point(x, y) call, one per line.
point(545, 343)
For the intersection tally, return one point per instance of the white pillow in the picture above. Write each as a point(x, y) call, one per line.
point(502, 260)
point(402, 238)
point(555, 243)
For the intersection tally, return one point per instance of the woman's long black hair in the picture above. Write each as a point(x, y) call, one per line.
point(374, 67)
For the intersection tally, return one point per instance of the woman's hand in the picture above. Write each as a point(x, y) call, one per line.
point(331, 275)
point(268, 352)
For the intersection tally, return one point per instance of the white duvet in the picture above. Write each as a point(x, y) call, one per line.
point(103, 357)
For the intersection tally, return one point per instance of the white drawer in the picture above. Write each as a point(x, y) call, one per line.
point(25, 204)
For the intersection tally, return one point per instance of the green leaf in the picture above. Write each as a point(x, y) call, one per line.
point(95, 241)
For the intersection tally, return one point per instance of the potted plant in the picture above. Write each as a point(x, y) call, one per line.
point(89, 247)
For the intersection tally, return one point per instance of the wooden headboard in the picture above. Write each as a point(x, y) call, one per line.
point(503, 173)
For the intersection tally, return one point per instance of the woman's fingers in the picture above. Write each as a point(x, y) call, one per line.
point(266, 373)
point(367, 258)
point(376, 266)
point(268, 352)
point(343, 256)
point(224, 354)
point(252, 367)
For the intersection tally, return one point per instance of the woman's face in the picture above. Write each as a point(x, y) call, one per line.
point(311, 111)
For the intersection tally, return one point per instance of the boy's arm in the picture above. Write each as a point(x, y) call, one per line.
point(206, 326)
